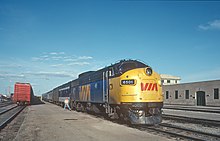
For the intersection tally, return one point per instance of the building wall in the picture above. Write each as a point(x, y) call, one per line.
point(206, 86)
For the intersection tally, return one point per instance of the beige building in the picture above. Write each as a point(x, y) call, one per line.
point(205, 93)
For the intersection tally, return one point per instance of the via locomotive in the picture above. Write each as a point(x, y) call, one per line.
point(129, 90)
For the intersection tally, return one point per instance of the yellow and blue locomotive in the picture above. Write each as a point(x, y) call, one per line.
point(129, 90)
point(136, 91)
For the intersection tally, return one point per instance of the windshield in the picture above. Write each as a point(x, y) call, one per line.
point(126, 66)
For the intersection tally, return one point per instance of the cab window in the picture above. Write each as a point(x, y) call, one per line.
point(126, 66)
point(111, 72)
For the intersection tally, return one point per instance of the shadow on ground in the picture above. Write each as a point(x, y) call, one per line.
point(37, 101)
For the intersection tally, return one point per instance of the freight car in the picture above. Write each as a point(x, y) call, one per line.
point(129, 90)
point(23, 94)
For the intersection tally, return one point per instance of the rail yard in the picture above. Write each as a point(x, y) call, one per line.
point(47, 121)
point(123, 101)
point(115, 70)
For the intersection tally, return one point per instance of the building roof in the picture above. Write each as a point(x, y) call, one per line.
point(167, 76)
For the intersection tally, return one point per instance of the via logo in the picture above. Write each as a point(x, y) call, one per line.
point(149, 87)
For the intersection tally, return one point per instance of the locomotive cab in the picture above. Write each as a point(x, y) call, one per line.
point(137, 89)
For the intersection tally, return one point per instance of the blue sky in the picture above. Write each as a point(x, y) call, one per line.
point(49, 42)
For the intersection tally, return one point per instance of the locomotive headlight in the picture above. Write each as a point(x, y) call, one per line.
point(140, 113)
point(149, 71)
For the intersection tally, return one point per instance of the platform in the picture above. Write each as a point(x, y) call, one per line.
point(48, 122)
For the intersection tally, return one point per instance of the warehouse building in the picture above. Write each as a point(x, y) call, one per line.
point(204, 93)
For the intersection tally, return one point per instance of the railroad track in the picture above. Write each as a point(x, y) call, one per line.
point(177, 132)
point(4, 104)
point(192, 120)
point(208, 110)
point(9, 114)
point(184, 133)
point(4, 110)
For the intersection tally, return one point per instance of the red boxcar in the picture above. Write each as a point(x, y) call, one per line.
point(23, 94)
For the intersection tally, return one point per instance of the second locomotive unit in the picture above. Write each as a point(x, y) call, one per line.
point(129, 90)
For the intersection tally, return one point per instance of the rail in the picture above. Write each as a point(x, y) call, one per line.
point(199, 109)
point(184, 133)
point(5, 103)
point(9, 115)
point(7, 109)
point(192, 120)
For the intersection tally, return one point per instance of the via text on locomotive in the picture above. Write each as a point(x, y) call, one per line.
point(128, 90)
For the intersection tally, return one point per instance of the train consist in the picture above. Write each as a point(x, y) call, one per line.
point(23, 94)
point(129, 90)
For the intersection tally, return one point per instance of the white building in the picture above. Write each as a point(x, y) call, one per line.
point(169, 79)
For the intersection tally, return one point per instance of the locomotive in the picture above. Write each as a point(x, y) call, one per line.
point(128, 90)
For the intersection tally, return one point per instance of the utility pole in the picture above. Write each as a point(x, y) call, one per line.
point(9, 92)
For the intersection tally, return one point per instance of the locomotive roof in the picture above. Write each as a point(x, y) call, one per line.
point(86, 75)
point(116, 65)
point(129, 61)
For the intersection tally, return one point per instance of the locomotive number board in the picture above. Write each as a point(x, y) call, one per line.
point(128, 82)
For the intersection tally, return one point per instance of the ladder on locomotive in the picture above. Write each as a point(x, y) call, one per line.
point(106, 92)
